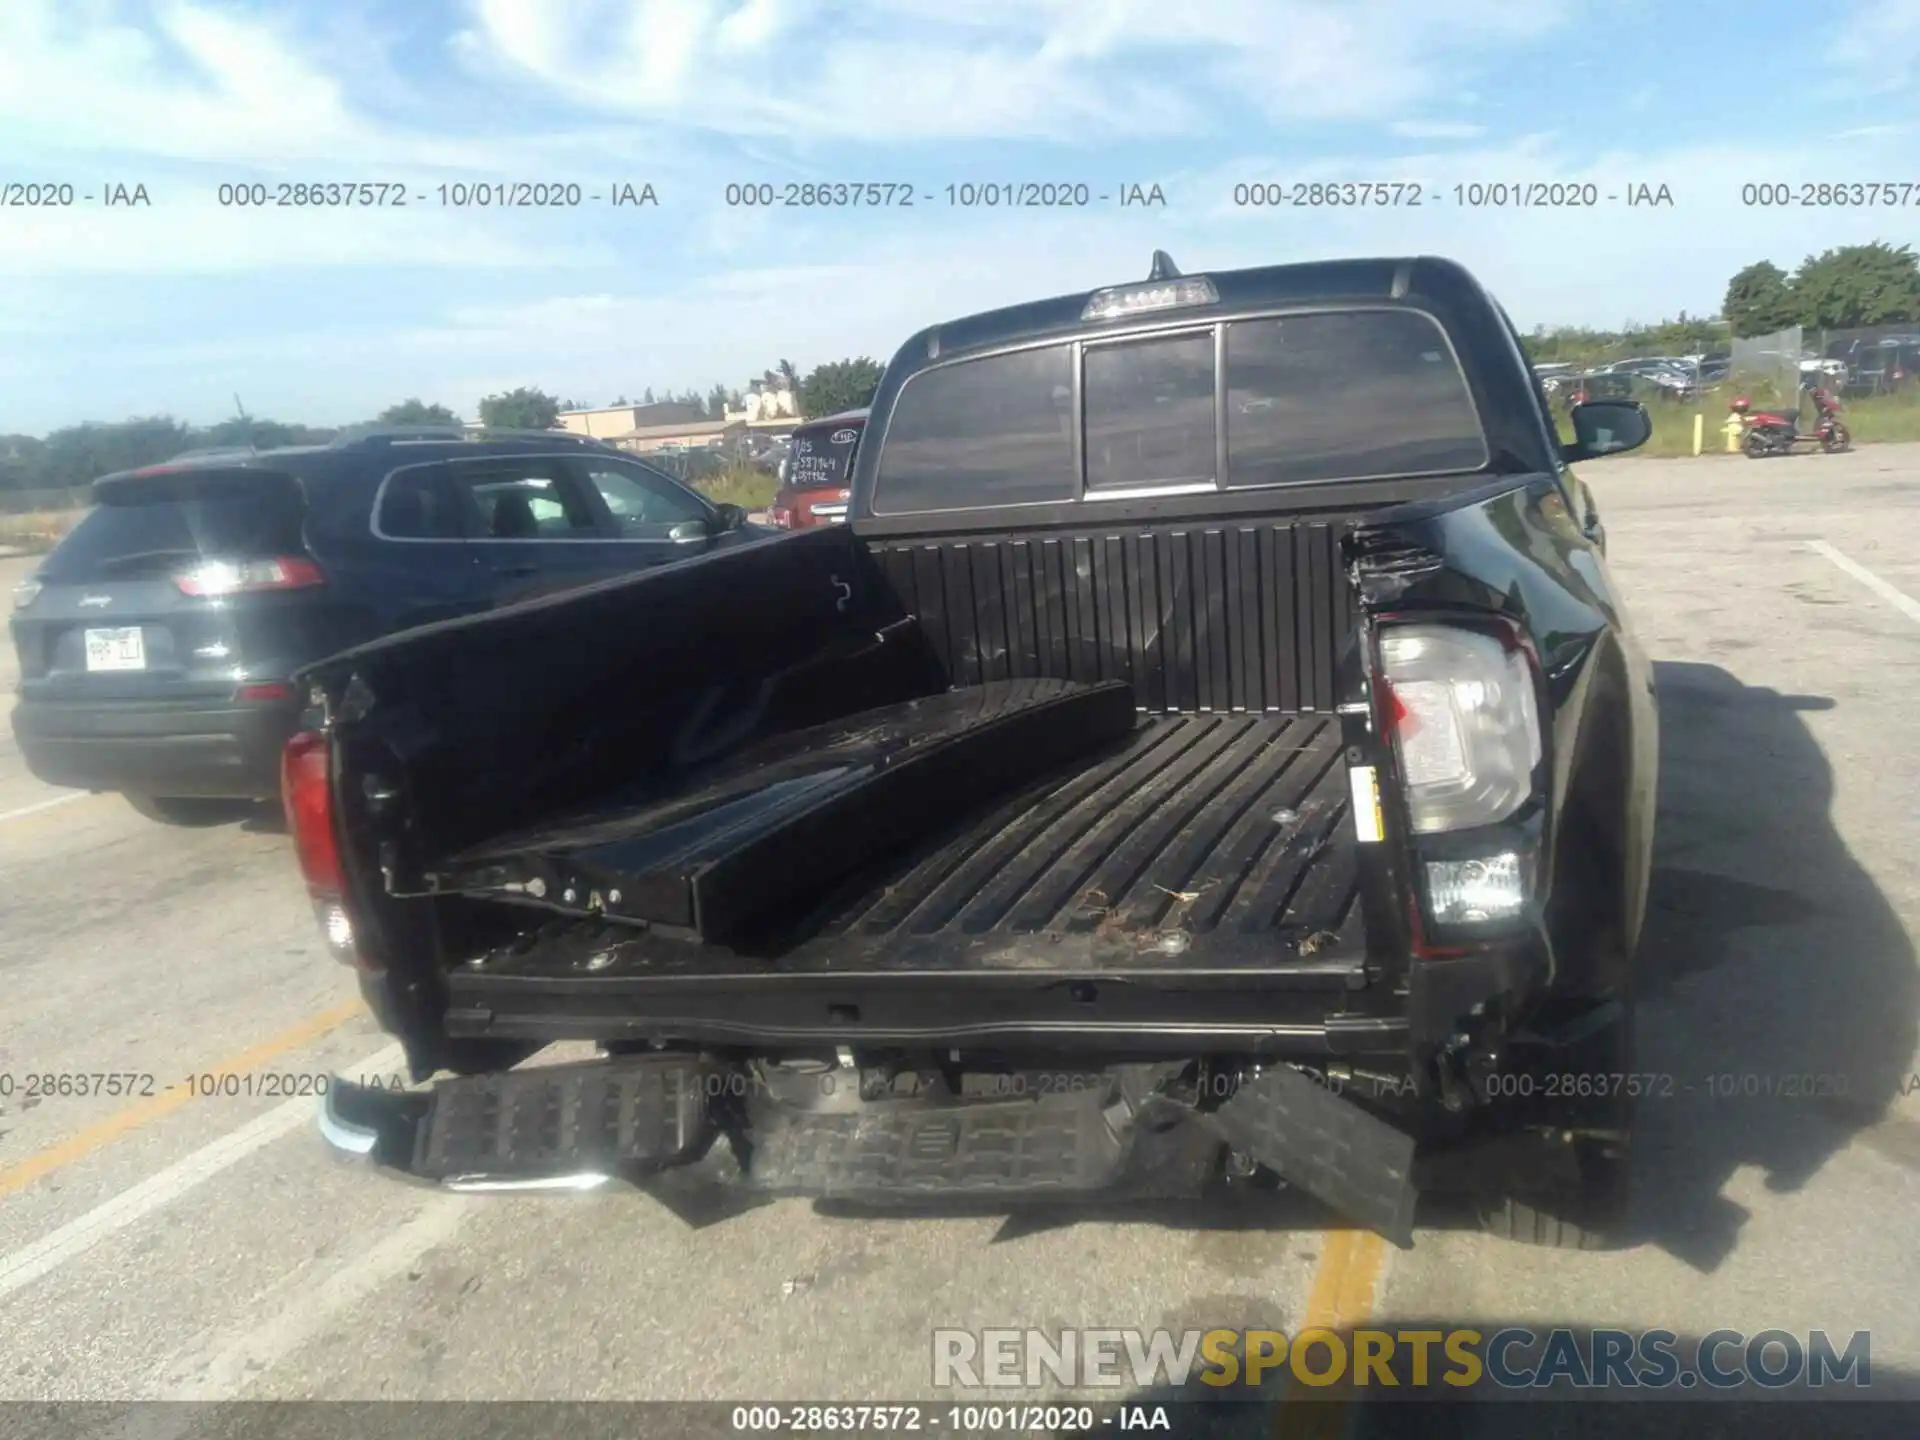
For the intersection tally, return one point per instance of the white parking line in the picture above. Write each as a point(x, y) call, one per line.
point(223, 1370)
point(35, 809)
point(1899, 599)
point(76, 1237)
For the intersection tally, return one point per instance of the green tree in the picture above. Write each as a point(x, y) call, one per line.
point(79, 454)
point(575, 405)
point(521, 409)
point(717, 402)
point(21, 461)
point(1760, 299)
point(261, 434)
point(646, 396)
point(1857, 285)
point(838, 385)
point(416, 412)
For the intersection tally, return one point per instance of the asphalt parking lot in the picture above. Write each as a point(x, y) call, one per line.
point(205, 1246)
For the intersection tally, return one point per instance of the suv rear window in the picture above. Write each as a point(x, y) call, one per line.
point(1346, 395)
point(992, 431)
point(822, 457)
point(149, 528)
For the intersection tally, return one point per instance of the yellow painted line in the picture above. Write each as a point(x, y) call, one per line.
point(1341, 1298)
point(102, 1132)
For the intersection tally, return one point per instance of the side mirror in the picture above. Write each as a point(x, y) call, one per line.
point(732, 517)
point(1607, 427)
point(690, 532)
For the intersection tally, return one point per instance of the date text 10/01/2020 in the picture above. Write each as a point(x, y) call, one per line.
point(33, 1087)
point(1468, 195)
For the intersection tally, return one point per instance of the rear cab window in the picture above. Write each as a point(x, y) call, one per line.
point(1350, 394)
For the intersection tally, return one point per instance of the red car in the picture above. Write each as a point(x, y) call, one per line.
point(817, 471)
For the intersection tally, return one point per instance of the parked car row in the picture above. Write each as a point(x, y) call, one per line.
point(1882, 366)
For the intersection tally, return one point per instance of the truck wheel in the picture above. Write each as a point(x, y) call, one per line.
point(1586, 1217)
point(173, 810)
point(1584, 1209)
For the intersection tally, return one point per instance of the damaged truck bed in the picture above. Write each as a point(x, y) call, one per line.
point(1180, 853)
point(1054, 828)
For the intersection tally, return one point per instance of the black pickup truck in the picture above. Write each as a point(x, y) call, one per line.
point(1213, 753)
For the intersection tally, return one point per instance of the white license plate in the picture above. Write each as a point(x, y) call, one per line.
point(121, 648)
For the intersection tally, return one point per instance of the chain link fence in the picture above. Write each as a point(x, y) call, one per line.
point(1766, 368)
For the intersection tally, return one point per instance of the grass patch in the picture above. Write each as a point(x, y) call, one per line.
point(1875, 419)
point(37, 531)
point(740, 485)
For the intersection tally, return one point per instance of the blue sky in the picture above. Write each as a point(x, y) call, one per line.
point(327, 315)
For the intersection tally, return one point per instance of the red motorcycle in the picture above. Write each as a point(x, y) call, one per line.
point(1777, 431)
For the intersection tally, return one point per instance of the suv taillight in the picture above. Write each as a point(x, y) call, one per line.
point(306, 792)
point(237, 577)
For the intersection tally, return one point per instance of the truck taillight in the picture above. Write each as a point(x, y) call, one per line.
point(1461, 709)
point(306, 792)
point(1464, 721)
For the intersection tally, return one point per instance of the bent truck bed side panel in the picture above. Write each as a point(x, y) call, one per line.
point(797, 812)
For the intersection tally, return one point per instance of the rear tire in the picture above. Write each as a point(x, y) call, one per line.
point(1840, 439)
point(1587, 1212)
point(191, 812)
point(1589, 1218)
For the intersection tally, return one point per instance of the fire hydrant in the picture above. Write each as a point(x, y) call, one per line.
point(1733, 430)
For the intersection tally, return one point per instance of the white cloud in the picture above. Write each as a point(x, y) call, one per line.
point(1074, 70)
point(181, 82)
point(884, 281)
point(1599, 266)
point(1436, 130)
point(1881, 40)
point(197, 236)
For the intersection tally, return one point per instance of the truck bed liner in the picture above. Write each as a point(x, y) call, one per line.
point(1209, 850)
point(1220, 829)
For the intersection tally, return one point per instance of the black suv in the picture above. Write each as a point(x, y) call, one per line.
point(157, 641)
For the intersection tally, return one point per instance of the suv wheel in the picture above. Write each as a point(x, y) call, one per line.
point(174, 810)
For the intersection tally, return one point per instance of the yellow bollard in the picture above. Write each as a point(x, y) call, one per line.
point(1732, 430)
point(1699, 432)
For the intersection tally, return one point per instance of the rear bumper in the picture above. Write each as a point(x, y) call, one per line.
point(210, 750)
point(677, 1126)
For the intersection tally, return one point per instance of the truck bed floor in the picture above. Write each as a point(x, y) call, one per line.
point(1201, 844)
point(1202, 836)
